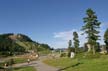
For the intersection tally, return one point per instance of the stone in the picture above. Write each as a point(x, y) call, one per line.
point(72, 55)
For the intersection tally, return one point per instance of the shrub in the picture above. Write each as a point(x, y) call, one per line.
point(91, 56)
point(63, 55)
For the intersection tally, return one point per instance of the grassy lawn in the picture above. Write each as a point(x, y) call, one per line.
point(29, 68)
point(67, 64)
point(16, 61)
point(20, 60)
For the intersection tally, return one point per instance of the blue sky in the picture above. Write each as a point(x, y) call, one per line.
point(50, 21)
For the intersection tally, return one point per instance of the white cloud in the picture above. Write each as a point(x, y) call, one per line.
point(62, 38)
point(103, 28)
point(66, 35)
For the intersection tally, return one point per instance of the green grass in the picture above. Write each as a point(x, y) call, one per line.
point(29, 68)
point(81, 64)
point(44, 52)
point(20, 60)
point(16, 61)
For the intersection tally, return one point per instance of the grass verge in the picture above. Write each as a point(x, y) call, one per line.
point(29, 68)
point(67, 64)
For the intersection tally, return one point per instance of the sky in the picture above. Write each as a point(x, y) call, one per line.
point(50, 21)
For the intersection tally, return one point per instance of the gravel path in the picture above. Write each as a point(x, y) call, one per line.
point(43, 67)
point(39, 65)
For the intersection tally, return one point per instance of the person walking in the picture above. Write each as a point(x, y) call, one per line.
point(28, 60)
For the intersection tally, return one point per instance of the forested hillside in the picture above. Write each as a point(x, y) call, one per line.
point(11, 44)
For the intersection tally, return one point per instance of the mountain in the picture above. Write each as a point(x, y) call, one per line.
point(11, 43)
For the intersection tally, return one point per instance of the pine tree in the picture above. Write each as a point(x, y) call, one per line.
point(76, 41)
point(91, 28)
point(69, 47)
point(106, 38)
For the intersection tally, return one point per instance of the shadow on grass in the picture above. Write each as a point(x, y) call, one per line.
point(17, 68)
point(70, 66)
point(1, 68)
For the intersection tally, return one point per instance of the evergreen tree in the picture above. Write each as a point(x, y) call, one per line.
point(106, 38)
point(69, 47)
point(76, 41)
point(91, 28)
point(70, 44)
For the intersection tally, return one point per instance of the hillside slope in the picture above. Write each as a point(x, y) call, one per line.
point(11, 43)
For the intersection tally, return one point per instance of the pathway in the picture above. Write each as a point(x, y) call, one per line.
point(39, 65)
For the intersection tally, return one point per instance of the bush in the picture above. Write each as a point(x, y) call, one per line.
point(91, 56)
point(10, 62)
point(86, 55)
point(63, 55)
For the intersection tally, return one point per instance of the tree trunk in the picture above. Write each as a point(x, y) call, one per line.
point(93, 50)
point(89, 47)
